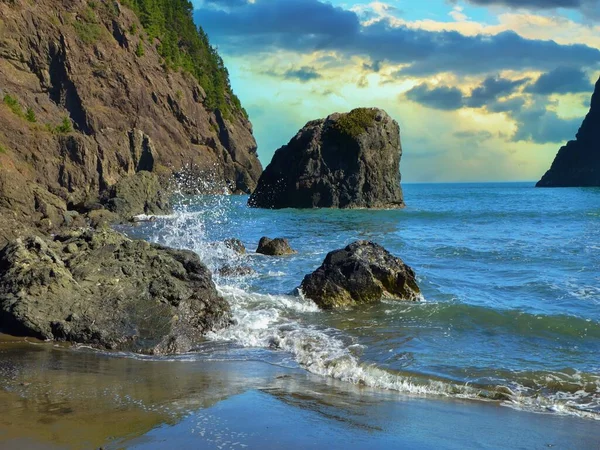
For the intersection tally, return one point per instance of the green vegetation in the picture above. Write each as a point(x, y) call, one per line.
point(65, 127)
point(139, 51)
point(183, 46)
point(2, 149)
point(13, 105)
point(30, 115)
point(87, 26)
point(355, 122)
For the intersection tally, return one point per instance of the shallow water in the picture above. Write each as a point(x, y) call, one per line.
point(510, 321)
point(510, 276)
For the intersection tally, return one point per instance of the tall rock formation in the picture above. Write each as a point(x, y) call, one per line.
point(347, 160)
point(89, 95)
point(578, 162)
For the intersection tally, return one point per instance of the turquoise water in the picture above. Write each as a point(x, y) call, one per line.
point(510, 276)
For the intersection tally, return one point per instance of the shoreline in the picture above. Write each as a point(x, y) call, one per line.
point(141, 403)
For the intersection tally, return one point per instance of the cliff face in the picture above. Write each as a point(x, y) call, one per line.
point(578, 162)
point(349, 160)
point(86, 99)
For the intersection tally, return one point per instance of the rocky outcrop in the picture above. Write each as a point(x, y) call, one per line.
point(86, 100)
point(103, 289)
point(578, 162)
point(344, 161)
point(363, 272)
point(274, 247)
point(141, 193)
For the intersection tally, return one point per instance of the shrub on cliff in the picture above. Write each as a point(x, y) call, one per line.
point(184, 46)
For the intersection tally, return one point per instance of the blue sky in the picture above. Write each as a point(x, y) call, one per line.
point(483, 90)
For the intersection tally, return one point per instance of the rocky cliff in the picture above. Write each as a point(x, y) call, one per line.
point(347, 160)
point(578, 162)
point(89, 94)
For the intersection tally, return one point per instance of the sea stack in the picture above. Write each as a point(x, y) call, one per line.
point(578, 163)
point(349, 160)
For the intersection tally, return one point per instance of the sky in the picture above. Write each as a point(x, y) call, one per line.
point(483, 90)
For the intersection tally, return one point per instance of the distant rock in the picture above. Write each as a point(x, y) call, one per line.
point(578, 163)
point(363, 272)
point(103, 289)
point(347, 160)
point(274, 247)
point(236, 245)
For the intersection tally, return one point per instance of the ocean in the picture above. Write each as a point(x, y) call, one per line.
point(510, 276)
point(502, 352)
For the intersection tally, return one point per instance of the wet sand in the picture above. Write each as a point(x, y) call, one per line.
point(58, 397)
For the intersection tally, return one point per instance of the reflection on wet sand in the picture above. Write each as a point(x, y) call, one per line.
point(84, 399)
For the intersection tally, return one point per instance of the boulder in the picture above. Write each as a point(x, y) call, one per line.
point(274, 247)
point(229, 271)
point(577, 164)
point(137, 194)
point(236, 245)
point(363, 272)
point(347, 160)
point(102, 289)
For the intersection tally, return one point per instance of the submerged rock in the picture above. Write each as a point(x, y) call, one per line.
point(347, 160)
point(577, 164)
point(103, 289)
point(229, 271)
point(274, 247)
point(363, 272)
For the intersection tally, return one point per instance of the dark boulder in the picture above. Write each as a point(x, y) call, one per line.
point(577, 164)
point(347, 160)
point(230, 271)
point(137, 194)
point(274, 247)
point(363, 272)
point(103, 289)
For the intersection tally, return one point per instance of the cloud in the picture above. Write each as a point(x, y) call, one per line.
point(591, 7)
point(303, 74)
point(562, 80)
point(306, 26)
point(486, 94)
point(541, 126)
point(443, 97)
point(491, 88)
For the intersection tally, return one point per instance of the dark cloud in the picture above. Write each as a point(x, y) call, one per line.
point(374, 66)
point(563, 80)
point(508, 106)
point(302, 74)
point(309, 25)
point(491, 88)
point(540, 125)
point(486, 94)
point(589, 8)
point(444, 97)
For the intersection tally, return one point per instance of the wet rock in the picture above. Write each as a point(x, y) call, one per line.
point(229, 271)
point(236, 245)
point(363, 272)
point(112, 292)
point(577, 164)
point(347, 160)
point(138, 194)
point(274, 247)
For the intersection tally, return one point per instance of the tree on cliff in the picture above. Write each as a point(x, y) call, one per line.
point(185, 46)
